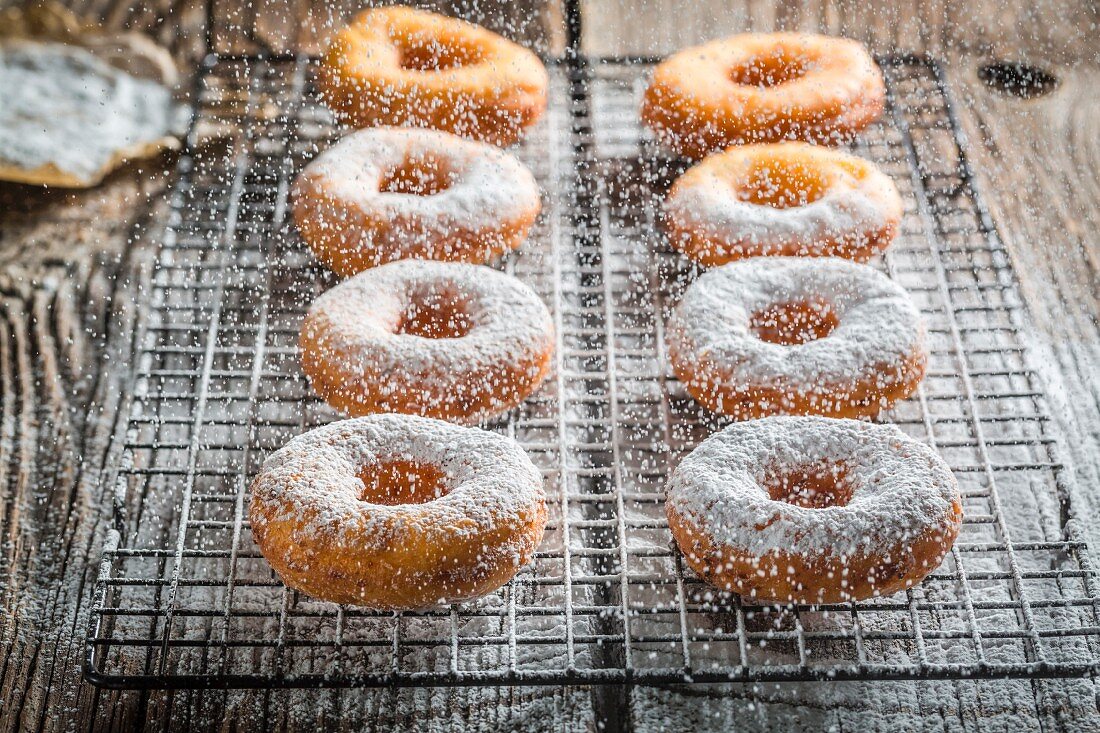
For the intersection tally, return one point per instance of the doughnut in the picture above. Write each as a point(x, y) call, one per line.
point(388, 194)
point(813, 509)
point(443, 340)
point(411, 68)
point(397, 512)
point(786, 198)
point(791, 335)
point(763, 87)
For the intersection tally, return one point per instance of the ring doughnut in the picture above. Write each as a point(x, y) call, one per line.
point(790, 335)
point(450, 341)
point(813, 510)
point(387, 194)
point(410, 68)
point(786, 198)
point(763, 87)
point(397, 512)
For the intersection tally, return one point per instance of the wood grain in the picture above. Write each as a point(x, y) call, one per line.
point(1047, 31)
point(65, 262)
point(1037, 159)
point(73, 266)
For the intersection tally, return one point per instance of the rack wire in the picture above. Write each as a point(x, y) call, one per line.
point(184, 599)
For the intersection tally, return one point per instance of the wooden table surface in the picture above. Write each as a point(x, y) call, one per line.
point(72, 264)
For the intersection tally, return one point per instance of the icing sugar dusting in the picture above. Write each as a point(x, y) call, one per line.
point(878, 325)
point(353, 329)
point(68, 117)
point(710, 208)
point(488, 186)
point(900, 488)
point(715, 204)
point(314, 480)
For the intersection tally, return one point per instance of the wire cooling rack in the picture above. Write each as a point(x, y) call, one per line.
point(184, 599)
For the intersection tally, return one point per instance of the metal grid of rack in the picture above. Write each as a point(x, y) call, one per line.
point(184, 599)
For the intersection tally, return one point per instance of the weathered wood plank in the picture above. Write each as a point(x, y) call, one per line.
point(1037, 160)
point(1051, 31)
point(61, 389)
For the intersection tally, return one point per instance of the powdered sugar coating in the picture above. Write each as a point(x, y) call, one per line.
point(709, 217)
point(357, 358)
point(901, 490)
point(876, 345)
point(313, 481)
point(714, 209)
point(339, 193)
point(67, 117)
point(310, 522)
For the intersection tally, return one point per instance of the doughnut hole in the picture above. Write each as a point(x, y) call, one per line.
point(420, 52)
point(436, 313)
point(781, 184)
point(794, 323)
point(418, 175)
point(770, 70)
point(811, 486)
point(401, 482)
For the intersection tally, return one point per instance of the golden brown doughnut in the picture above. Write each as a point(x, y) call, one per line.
point(411, 68)
point(796, 336)
point(813, 510)
point(388, 194)
point(397, 512)
point(782, 199)
point(763, 87)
